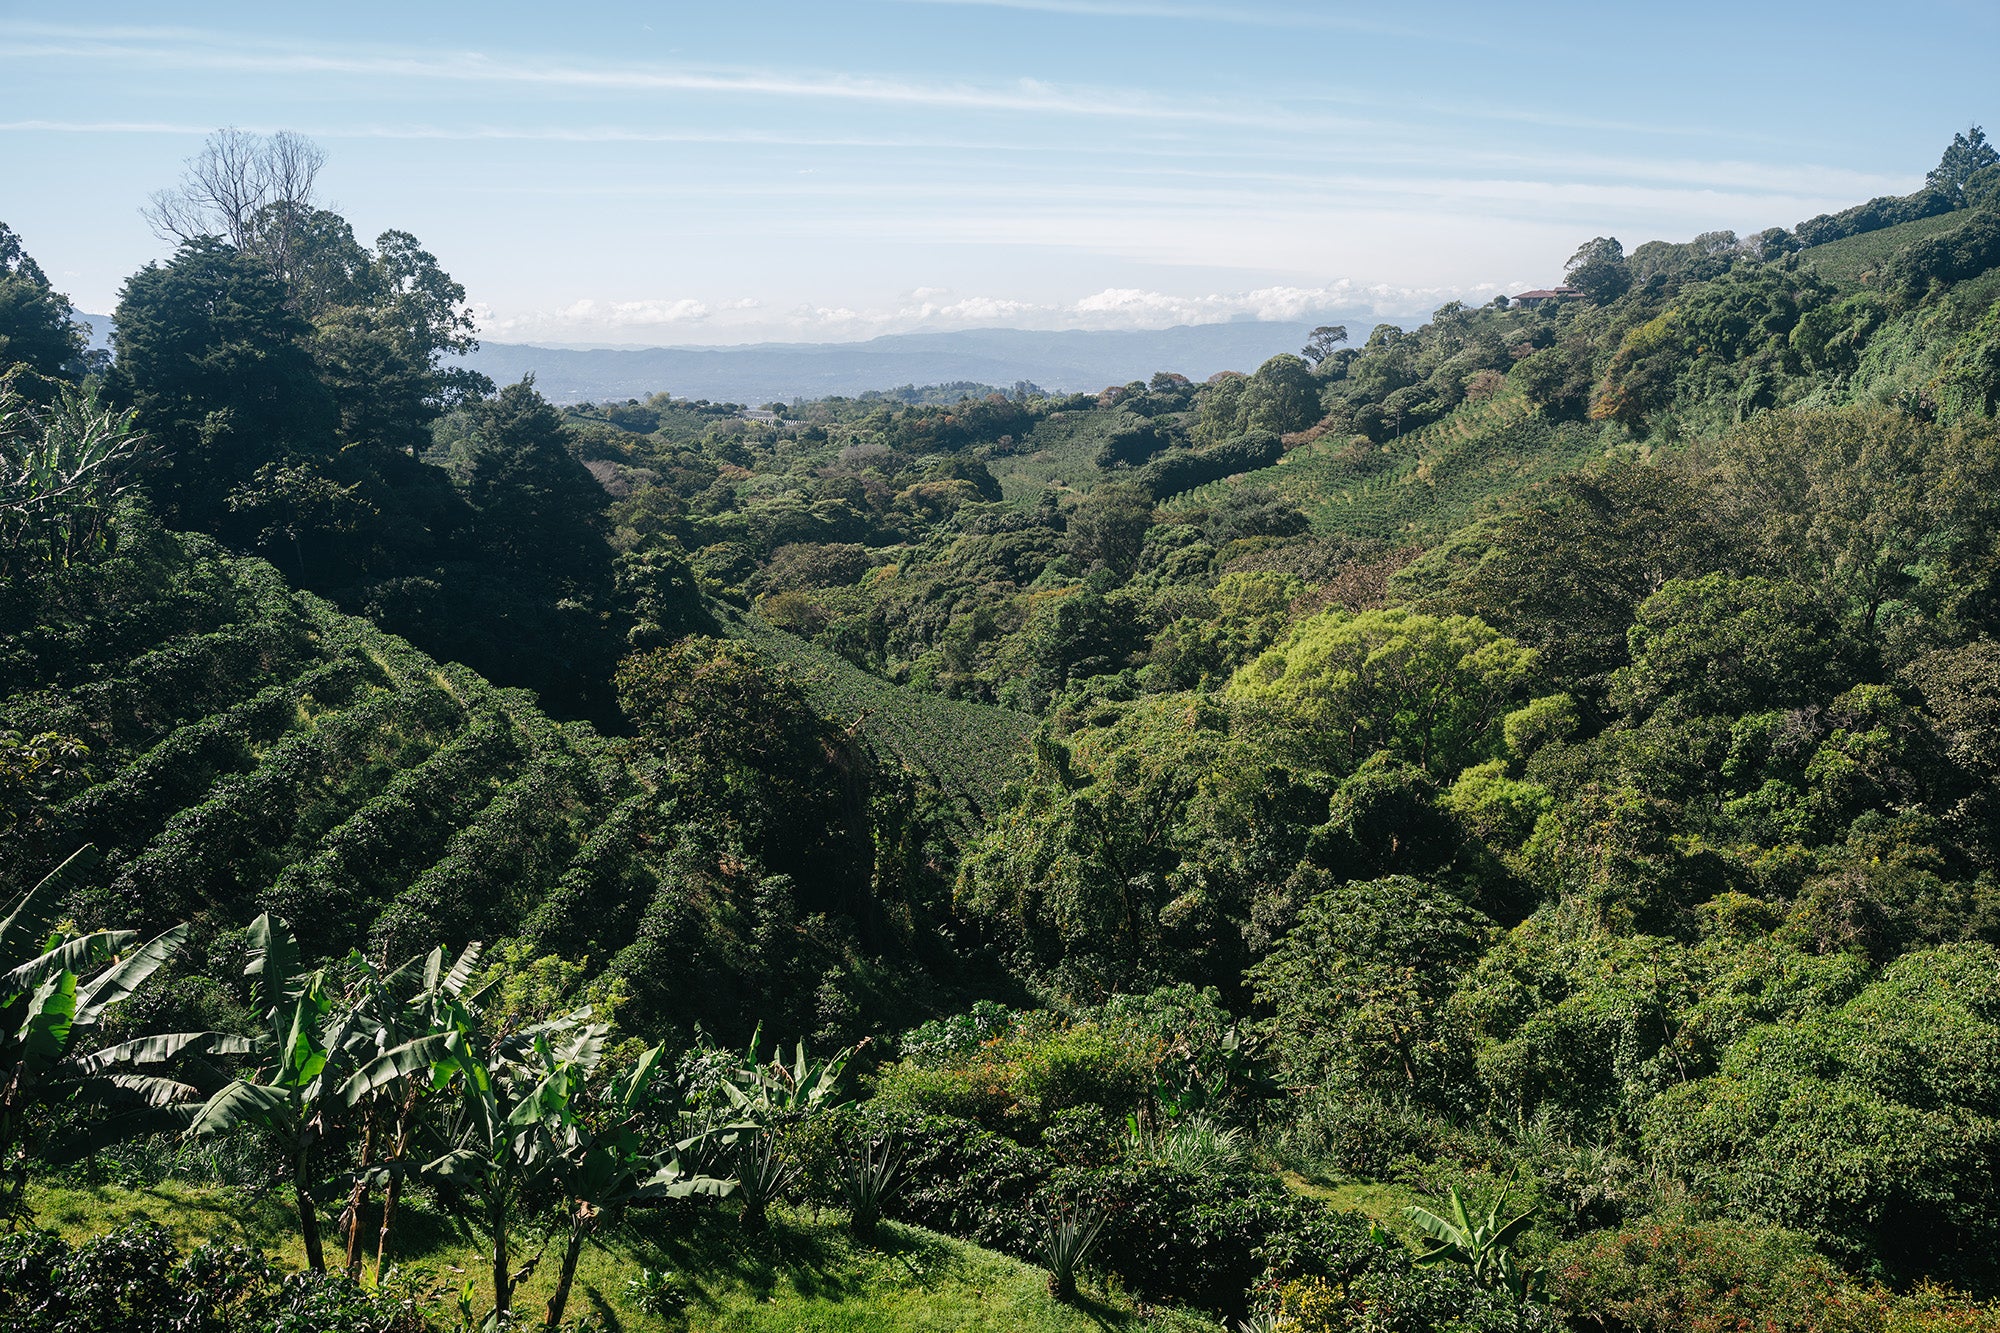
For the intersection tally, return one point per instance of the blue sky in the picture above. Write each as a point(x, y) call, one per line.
point(710, 173)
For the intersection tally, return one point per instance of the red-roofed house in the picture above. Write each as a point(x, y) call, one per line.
point(1529, 300)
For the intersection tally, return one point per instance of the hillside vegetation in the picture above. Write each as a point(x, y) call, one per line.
point(1486, 826)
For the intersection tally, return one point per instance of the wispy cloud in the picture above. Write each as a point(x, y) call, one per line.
point(100, 127)
point(173, 49)
point(1251, 16)
point(607, 134)
point(1319, 165)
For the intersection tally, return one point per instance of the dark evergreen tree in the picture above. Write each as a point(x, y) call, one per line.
point(540, 512)
point(41, 345)
point(215, 363)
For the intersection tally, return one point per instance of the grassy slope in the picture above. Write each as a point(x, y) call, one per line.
point(1850, 261)
point(971, 750)
point(1424, 484)
point(806, 1275)
point(1061, 451)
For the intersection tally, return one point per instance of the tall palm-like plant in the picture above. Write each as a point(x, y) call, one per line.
point(778, 1091)
point(290, 1091)
point(605, 1165)
point(1481, 1243)
point(503, 1133)
point(766, 1099)
point(55, 991)
point(407, 1037)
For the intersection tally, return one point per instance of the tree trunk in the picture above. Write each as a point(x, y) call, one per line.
point(394, 1191)
point(503, 1285)
point(579, 1225)
point(308, 1218)
point(357, 1198)
point(389, 1197)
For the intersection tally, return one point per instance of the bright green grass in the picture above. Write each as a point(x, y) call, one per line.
point(804, 1274)
point(1382, 1203)
point(1850, 261)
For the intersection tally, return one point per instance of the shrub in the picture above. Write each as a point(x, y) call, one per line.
point(1871, 1126)
point(662, 1295)
point(961, 1179)
point(1017, 1084)
point(1373, 1287)
point(1397, 1299)
point(1205, 1238)
point(1965, 251)
point(30, 1267)
point(1365, 1138)
point(1681, 1275)
point(133, 1278)
point(117, 1281)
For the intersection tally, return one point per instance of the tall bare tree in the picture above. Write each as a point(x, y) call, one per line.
point(246, 188)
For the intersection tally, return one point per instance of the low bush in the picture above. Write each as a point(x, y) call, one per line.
point(1682, 1275)
point(135, 1278)
point(1019, 1082)
point(961, 1179)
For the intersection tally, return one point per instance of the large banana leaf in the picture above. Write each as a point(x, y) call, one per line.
point(632, 1090)
point(461, 972)
point(274, 961)
point(26, 925)
point(152, 1090)
point(244, 1103)
point(76, 955)
point(165, 1046)
point(44, 1031)
point(421, 1055)
point(127, 975)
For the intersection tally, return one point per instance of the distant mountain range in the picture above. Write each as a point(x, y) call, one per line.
point(1068, 361)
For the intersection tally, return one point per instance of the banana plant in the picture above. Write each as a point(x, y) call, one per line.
point(502, 1136)
point(765, 1099)
point(775, 1092)
point(61, 471)
point(604, 1163)
point(300, 1054)
point(54, 997)
point(1482, 1244)
point(408, 1037)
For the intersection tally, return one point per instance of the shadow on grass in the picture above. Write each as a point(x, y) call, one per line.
point(812, 1259)
point(601, 1307)
point(1099, 1313)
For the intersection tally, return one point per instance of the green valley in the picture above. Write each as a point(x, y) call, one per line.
point(1481, 826)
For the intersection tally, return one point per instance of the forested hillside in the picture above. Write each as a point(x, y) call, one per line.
point(1483, 826)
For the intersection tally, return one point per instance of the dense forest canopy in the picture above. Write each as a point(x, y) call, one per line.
point(1482, 826)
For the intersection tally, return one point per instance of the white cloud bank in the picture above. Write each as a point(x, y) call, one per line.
point(689, 319)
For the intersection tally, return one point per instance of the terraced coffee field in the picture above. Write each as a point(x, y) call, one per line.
point(969, 750)
point(1061, 451)
point(1853, 261)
